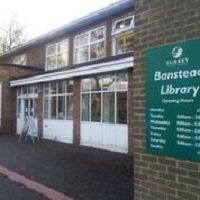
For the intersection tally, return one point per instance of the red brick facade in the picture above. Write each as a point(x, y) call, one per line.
point(158, 23)
point(40, 110)
point(76, 111)
point(9, 96)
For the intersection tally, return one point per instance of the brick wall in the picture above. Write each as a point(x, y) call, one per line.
point(35, 56)
point(9, 97)
point(17, 72)
point(40, 109)
point(76, 111)
point(6, 118)
point(161, 22)
point(130, 112)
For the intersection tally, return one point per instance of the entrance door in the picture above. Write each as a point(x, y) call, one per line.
point(26, 108)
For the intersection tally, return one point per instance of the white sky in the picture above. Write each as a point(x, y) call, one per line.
point(41, 16)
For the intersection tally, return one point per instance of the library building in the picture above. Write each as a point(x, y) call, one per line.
point(125, 79)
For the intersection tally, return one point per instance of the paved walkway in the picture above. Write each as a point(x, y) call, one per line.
point(59, 171)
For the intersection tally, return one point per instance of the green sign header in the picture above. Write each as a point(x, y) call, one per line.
point(173, 100)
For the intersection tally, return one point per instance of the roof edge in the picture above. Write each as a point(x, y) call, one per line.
point(77, 66)
point(79, 23)
point(22, 66)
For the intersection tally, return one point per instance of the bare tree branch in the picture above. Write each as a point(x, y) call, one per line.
point(11, 35)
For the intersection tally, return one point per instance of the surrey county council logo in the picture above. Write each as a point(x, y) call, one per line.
point(177, 52)
point(177, 57)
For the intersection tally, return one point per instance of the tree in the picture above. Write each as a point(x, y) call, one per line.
point(11, 35)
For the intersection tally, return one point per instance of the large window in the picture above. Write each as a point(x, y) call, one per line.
point(57, 55)
point(104, 98)
point(20, 59)
point(27, 101)
point(58, 100)
point(90, 45)
point(123, 35)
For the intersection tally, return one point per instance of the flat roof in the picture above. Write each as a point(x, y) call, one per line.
point(124, 63)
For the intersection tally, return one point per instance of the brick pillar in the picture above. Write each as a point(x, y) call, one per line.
point(158, 23)
point(40, 110)
point(71, 53)
point(76, 111)
point(130, 111)
point(14, 110)
point(8, 109)
point(108, 38)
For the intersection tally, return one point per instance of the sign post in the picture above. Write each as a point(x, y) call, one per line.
point(173, 100)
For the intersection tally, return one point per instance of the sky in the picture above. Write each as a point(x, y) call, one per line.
point(41, 16)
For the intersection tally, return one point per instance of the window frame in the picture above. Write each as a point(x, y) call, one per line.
point(121, 33)
point(114, 41)
point(115, 90)
point(49, 95)
point(56, 54)
point(132, 25)
point(20, 56)
point(89, 44)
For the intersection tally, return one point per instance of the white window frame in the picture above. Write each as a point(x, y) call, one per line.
point(114, 50)
point(56, 95)
point(30, 92)
point(132, 25)
point(17, 58)
point(115, 90)
point(56, 54)
point(122, 32)
point(89, 44)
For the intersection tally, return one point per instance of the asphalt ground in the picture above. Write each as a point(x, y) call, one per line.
point(79, 172)
point(12, 191)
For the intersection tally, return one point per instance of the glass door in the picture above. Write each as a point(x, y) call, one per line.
point(27, 106)
point(26, 109)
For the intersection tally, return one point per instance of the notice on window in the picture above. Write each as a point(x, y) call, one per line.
point(173, 100)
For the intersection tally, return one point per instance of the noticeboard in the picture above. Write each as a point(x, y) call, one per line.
point(173, 100)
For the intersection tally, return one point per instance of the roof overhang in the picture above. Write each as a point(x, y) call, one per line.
point(105, 67)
